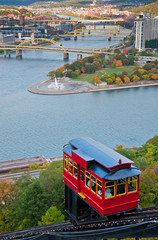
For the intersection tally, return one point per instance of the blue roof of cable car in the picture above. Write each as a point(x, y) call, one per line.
point(113, 175)
point(99, 152)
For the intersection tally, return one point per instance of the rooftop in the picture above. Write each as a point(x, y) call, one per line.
point(100, 153)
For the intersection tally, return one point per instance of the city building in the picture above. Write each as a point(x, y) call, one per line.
point(7, 38)
point(146, 28)
point(65, 27)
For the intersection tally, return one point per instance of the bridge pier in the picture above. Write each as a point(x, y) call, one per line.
point(18, 53)
point(5, 53)
point(75, 38)
point(82, 34)
point(66, 56)
point(9, 54)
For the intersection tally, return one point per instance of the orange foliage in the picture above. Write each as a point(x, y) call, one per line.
point(114, 60)
point(125, 51)
point(7, 189)
point(61, 69)
point(119, 64)
point(83, 70)
point(155, 76)
point(96, 79)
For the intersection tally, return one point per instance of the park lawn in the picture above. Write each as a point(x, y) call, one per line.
point(102, 72)
point(155, 55)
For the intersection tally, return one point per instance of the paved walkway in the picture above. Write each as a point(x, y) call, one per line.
point(71, 87)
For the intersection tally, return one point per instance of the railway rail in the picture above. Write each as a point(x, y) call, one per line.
point(140, 223)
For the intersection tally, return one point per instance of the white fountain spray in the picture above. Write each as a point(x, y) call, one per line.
point(55, 85)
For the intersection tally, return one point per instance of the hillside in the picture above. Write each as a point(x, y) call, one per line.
point(19, 2)
point(64, 3)
point(152, 8)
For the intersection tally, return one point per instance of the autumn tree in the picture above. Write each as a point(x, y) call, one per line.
point(154, 76)
point(146, 77)
point(118, 81)
point(126, 79)
point(136, 78)
point(96, 80)
point(109, 80)
point(119, 64)
point(7, 190)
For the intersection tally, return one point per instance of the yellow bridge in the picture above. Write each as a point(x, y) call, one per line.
point(115, 32)
point(39, 44)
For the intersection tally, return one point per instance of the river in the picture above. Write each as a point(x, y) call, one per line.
point(32, 125)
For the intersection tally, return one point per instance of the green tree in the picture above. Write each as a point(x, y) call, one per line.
point(53, 215)
point(90, 68)
point(33, 205)
point(52, 179)
point(148, 188)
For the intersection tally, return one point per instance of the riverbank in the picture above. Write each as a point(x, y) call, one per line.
point(72, 87)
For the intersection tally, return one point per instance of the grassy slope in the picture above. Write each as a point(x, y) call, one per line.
point(100, 73)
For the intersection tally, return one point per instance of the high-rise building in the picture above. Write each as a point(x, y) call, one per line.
point(146, 28)
point(22, 20)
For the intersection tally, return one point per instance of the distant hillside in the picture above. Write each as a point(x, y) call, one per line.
point(64, 3)
point(152, 8)
point(21, 2)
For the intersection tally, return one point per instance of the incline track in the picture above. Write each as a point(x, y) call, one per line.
point(141, 223)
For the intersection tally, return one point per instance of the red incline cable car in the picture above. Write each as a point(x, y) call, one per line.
point(99, 182)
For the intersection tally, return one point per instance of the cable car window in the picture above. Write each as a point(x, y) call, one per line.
point(87, 179)
point(121, 186)
point(99, 188)
point(82, 174)
point(132, 184)
point(93, 183)
point(75, 169)
point(70, 166)
point(66, 162)
point(109, 189)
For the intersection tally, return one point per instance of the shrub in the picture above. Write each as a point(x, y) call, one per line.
point(146, 77)
point(118, 81)
point(83, 70)
point(109, 80)
point(142, 71)
point(90, 68)
point(114, 65)
point(96, 79)
point(126, 79)
point(125, 62)
point(136, 78)
point(154, 76)
point(124, 73)
point(78, 71)
point(125, 51)
point(97, 65)
point(119, 64)
point(103, 78)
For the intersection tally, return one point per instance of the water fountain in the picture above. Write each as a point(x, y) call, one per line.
point(64, 86)
point(55, 85)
